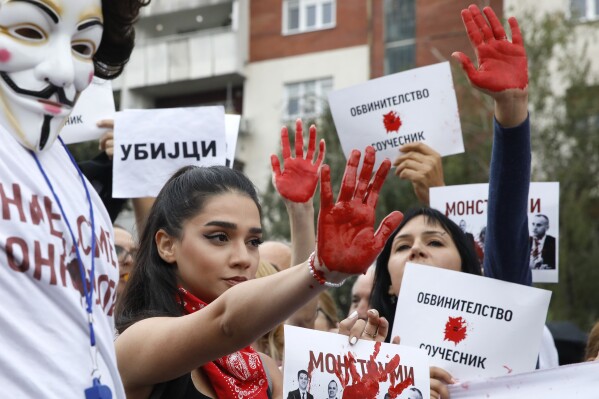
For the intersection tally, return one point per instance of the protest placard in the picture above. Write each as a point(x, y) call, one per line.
point(470, 325)
point(316, 360)
point(95, 103)
point(150, 145)
point(231, 132)
point(571, 381)
point(467, 206)
point(406, 107)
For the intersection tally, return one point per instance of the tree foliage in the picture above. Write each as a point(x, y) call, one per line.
point(564, 97)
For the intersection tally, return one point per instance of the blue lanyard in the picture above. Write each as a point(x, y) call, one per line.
point(87, 293)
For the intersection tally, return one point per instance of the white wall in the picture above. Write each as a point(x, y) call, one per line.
point(263, 102)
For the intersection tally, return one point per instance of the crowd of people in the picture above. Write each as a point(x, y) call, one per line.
point(190, 317)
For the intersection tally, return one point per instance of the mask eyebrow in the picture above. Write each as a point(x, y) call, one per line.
point(42, 6)
point(89, 24)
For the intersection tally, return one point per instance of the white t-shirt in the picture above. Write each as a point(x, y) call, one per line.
point(44, 334)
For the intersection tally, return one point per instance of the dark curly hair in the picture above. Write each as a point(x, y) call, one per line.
point(118, 37)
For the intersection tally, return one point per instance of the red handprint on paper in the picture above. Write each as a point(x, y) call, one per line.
point(346, 241)
point(502, 64)
point(297, 182)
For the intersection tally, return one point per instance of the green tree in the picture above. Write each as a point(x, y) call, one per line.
point(564, 98)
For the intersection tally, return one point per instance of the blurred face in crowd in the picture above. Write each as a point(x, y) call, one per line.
point(125, 252)
point(360, 293)
point(46, 51)
point(422, 242)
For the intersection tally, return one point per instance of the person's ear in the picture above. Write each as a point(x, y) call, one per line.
point(166, 246)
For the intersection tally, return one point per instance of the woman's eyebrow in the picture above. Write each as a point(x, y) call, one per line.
point(232, 226)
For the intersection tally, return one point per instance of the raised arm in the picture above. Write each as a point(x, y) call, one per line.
point(502, 73)
point(296, 184)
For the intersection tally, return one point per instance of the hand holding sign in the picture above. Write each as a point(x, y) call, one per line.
point(346, 241)
point(373, 329)
point(421, 165)
point(297, 182)
point(107, 140)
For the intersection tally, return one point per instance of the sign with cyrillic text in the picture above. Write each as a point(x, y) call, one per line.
point(151, 145)
point(95, 103)
point(406, 107)
point(318, 362)
point(232, 132)
point(469, 325)
point(467, 206)
point(571, 381)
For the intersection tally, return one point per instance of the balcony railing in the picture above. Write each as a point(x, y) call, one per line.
point(157, 7)
point(198, 55)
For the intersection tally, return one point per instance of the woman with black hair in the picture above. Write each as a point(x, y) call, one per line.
point(427, 236)
point(192, 305)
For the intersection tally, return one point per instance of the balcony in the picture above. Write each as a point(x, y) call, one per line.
point(158, 7)
point(180, 59)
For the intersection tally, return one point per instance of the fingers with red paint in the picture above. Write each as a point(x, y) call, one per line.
point(299, 177)
point(502, 65)
point(439, 379)
point(502, 70)
point(346, 240)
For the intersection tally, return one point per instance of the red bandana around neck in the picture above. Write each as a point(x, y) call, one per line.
point(239, 375)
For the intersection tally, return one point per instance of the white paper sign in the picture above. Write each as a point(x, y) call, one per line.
point(232, 132)
point(472, 326)
point(329, 360)
point(95, 103)
point(571, 381)
point(388, 112)
point(467, 206)
point(150, 145)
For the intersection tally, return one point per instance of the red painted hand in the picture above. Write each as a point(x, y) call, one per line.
point(297, 182)
point(346, 241)
point(502, 64)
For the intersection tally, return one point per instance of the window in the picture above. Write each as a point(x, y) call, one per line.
point(584, 10)
point(306, 99)
point(307, 15)
point(400, 31)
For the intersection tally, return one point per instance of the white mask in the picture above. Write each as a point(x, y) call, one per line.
point(46, 50)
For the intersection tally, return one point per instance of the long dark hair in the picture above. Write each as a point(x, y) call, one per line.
point(152, 288)
point(380, 298)
point(118, 36)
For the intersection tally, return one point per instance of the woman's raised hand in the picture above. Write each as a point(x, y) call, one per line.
point(346, 241)
point(502, 64)
point(297, 182)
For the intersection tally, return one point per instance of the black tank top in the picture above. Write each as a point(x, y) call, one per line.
point(182, 388)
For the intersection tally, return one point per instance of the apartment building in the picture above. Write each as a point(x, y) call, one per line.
point(273, 61)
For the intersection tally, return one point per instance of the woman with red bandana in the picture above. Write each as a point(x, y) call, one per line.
point(192, 306)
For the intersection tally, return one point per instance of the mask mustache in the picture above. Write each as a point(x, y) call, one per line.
point(45, 93)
